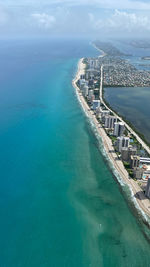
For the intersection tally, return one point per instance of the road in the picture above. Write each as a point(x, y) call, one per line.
point(144, 145)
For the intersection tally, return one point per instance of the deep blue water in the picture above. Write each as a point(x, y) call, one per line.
point(59, 203)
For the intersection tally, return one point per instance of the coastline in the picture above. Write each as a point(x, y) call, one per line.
point(103, 54)
point(140, 201)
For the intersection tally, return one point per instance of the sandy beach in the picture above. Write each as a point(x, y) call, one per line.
point(139, 196)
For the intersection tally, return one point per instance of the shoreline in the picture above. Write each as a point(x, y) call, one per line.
point(137, 193)
point(103, 54)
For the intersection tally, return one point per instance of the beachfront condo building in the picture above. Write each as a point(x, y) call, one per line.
point(82, 82)
point(147, 192)
point(119, 128)
point(82, 76)
point(91, 82)
point(96, 104)
point(122, 141)
point(92, 63)
point(91, 95)
point(105, 113)
point(97, 65)
point(135, 161)
point(110, 121)
point(98, 112)
point(126, 153)
point(138, 173)
point(85, 90)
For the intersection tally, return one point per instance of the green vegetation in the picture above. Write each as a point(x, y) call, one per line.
point(135, 142)
point(118, 153)
point(126, 132)
point(130, 173)
point(129, 170)
point(113, 138)
point(103, 106)
point(126, 164)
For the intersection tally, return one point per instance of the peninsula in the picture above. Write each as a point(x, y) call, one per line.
point(122, 145)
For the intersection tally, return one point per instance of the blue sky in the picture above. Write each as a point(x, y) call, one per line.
point(69, 17)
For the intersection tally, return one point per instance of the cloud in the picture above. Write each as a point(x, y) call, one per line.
point(70, 17)
point(129, 21)
point(121, 21)
point(43, 20)
point(112, 4)
point(109, 4)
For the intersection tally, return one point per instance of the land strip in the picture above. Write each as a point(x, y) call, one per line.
point(142, 201)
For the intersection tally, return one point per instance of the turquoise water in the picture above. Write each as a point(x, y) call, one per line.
point(133, 104)
point(60, 204)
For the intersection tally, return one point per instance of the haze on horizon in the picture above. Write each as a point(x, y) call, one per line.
point(96, 18)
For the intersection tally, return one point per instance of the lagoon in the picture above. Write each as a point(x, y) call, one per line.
point(133, 104)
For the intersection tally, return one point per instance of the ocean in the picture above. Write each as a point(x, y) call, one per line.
point(60, 203)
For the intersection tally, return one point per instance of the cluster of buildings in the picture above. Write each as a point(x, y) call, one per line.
point(119, 72)
point(138, 167)
point(89, 84)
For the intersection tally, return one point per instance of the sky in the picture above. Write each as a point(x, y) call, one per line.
point(86, 18)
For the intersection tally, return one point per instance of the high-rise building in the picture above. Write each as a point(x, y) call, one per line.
point(96, 104)
point(126, 153)
point(119, 128)
point(135, 161)
point(122, 142)
point(96, 64)
point(87, 75)
point(106, 121)
point(82, 82)
point(98, 111)
point(91, 93)
point(85, 90)
point(91, 82)
point(105, 113)
point(110, 121)
point(82, 76)
point(138, 173)
point(91, 63)
point(147, 192)
point(132, 151)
